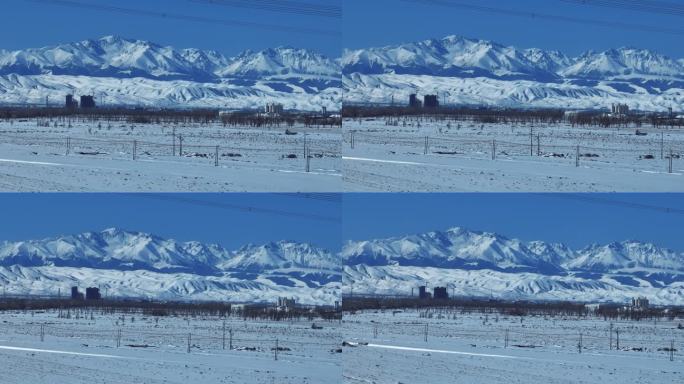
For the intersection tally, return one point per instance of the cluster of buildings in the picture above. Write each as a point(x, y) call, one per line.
point(429, 101)
point(91, 293)
point(640, 303)
point(87, 102)
point(619, 109)
point(438, 293)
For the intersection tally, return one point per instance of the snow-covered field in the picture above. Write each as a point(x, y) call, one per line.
point(392, 157)
point(471, 348)
point(83, 349)
point(33, 157)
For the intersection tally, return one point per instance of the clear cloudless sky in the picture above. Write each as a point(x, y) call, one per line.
point(574, 219)
point(201, 217)
point(29, 24)
point(386, 22)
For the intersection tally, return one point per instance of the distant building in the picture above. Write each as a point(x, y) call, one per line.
point(619, 109)
point(75, 294)
point(285, 303)
point(414, 102)
point(273, 109)
point(71, 103)
point(440, 293)
point(430, 101)
point(93, 293)
point(423, 293)
point(640, 303)
point(87, 101)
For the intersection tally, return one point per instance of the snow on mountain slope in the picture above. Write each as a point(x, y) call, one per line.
point(483, 264)
point(134, 72)
point(469, 71)
point(134, 264)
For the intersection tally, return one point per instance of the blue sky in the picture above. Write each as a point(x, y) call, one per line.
point(36, 24)
point(201, 217)
point(575, 219)
point(383, 22)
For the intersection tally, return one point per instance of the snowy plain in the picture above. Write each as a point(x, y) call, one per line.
point(33, 157)
point(471, 348)
point(83, 349)
point(389, 154)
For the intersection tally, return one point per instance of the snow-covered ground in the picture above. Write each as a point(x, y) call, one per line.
point(33, 157)
point(471, 348)
point(392, 157)
point(155, 349)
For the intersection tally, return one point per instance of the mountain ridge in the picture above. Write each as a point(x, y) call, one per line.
point(139, 72)
point(467, 260)
point(482, 72)
point(139, 264)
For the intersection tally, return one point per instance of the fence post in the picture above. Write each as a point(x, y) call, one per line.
point(579, 344)
point(308, 160)
point(135, 148)
point(531, 145)
point(493, 149)
point(538, 145)
point(42, 332)
point(352, 139)
point(611, 336)
point(68, 145)
point(506, 339)
point(617, 339)
point(230, 345)
point(173, 135)
point(577, 155)
point(669, 169)
point(275, 352)
point(118, 338)
point(180, 145)
point(662, 144)
point(224, 334)
point(426, 332)
point(216, 159)
point(671, 350)
point(425, 151)
point(189, 338)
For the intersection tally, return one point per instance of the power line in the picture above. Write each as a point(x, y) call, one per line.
point(591, 198)
point(326, 197)
point(177, 16)
point(236, 207)
point(546, 16)
point(659, 7)
point(284, 6)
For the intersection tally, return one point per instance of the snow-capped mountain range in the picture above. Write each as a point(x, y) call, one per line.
point(134, 264)
point(134, 72)
point(471, 71)
point(488, 264)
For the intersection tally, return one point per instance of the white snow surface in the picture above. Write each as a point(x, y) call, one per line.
point(82, 348)
point(389, 346)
